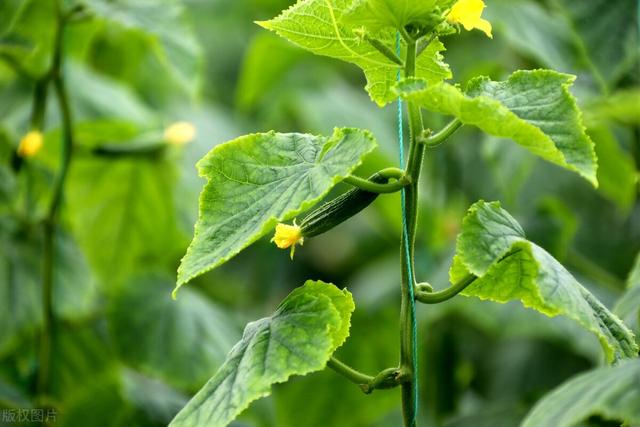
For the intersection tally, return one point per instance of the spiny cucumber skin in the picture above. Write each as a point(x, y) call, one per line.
point(339, 209)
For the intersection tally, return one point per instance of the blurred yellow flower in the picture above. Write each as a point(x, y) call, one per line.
point(30, 144)
point(288, 236)
point(468, 13)
point(180, 133)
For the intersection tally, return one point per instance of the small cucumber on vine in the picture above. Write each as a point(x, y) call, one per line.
point(339, 209)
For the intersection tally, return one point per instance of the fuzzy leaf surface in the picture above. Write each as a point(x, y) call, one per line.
point(493, 247)
point(318, 26)
point(377, 14)
point(610, 392)
point(258, 180)
point(299, 338)
point(533, 108)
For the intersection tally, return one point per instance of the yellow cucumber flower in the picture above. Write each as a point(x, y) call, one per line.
point(179, 133)
point(288, 236)
point(468, 13)
point(30, 144)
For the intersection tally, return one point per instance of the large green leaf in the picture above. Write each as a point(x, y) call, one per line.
point(299, 338)
point(122, 211)
point(534, 108)
point(257, 180)
point(317, 25)
point(377, 14)
point(493, 247)
point(612, 393)
point(180, 341)
point(170, 35)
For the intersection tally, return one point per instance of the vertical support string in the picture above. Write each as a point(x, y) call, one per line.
point(405, 232)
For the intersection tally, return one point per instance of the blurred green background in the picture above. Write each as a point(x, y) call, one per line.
point(125, 354)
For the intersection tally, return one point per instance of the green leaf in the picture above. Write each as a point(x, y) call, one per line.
point(123, 214)
point(299, 338)
point(258, 180)
point(80, 354)
point(27, 34)
point(170, 35)
point(493, 247)
point(96, 96)
point(536, 32)
point(534, 108)
point(180, 341)
point(378, 14)
point(616, 168)
point(622, 106)
point(612, 393)
point(600, 24)
point(318, 26)
point(628, 306)
point(259, 73)
point(159, 402)
point(74, 287)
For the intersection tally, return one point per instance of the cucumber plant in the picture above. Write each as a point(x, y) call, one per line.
point(265, 181)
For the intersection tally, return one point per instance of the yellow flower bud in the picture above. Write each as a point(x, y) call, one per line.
point(288, 236)
point(468, 13)
point(180, 133)
point(30, 144)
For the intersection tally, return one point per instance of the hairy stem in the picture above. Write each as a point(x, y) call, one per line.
point(414, 163)
point(425, 295)
point(385, 379)
point(348, 372)
point(438, 138)
point(51, 220)
point(375, 187)
point(424, 291)
point(384, 49)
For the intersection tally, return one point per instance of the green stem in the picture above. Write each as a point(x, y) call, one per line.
point(444, 134)
point(407, 38)
point(125, 150)
point(385, 379)
point(375, 187)
point(349, 373)
point(424, 292)
point(50, 222)
point(414, 164)
point(67, 146)
point(425, 295)
point(39, 104)
point(424, 43)
point(384, 49)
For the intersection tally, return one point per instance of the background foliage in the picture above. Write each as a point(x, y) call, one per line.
point(125, 354)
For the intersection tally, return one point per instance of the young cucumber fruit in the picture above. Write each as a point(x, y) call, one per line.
point(339, 209)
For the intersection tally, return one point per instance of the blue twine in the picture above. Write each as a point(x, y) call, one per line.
point(405, 231)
